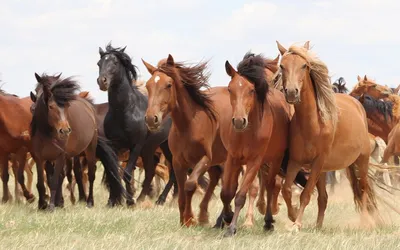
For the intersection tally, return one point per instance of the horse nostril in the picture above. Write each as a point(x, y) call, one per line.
point(233, 121)
point(104, 79)
point(155, 119)
point(244, 121)
point(69, 130)
point(61, 131)
point(297, 91)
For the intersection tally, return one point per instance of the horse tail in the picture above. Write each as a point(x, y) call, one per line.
point(111, 175)
point(358, 192)
point(301, 175)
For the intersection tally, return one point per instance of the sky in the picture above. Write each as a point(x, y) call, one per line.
point(353, 37)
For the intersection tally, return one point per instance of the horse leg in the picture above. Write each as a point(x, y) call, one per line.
point(133, 156)
point(181, 179)
point(215, 174)
point(172, 179)
point(5, 177)
point(68, 170)
point(322, 199)
point(292, 170)
point(305, 196)
point(29, 174)
point(149, 172)
point(59, 193)
point(261, 205)
point(59, 166)
point(240, 198)
point(275, 195)
point(15, 168)
point(190, 188)
point(78, 178)
point(253, 191)
point(271, 187)
point(21, 159)
point(40, 184)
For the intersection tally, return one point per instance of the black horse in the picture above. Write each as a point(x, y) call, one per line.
point(124, 123)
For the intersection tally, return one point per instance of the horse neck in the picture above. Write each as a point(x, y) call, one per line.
point(184, 109)
point(395, 99)
point(122, 95)
point(306, 111)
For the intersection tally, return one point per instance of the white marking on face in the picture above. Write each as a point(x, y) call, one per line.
point(156, 79)
point(62, 114)
point(106, 57)
point(240, 84)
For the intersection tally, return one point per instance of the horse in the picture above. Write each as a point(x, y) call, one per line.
point(369, 86)
point(15, 117)
point(64, 126)
point(254, 133)
point(174, 89)
point(328, 132)
point(101, 112)
point(124, 123)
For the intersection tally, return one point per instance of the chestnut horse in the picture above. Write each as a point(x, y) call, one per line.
point(174, 88)
point(15, 117)
point(328, 132)
point(64, 126)
point(254, 134)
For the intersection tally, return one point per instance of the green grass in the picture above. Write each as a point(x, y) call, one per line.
point(76, 227)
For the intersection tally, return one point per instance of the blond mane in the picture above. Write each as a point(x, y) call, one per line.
point(319, 74)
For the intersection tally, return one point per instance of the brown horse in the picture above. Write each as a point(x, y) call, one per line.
point(254, 134)
point(15, 117)
point(328, 132)
point(174, 88)
point(64, 126)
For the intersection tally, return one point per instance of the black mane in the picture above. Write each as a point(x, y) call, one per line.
point(62, 91)
point(131, 70)
point(339, 86)
point(372, 105)
point(253, 67)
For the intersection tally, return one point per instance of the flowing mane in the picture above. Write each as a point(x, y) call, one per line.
point(63, 91)
point(193, 79)
point(340, 86)
point(252, 68)
point(125, 60)
point(319, 74)
point(372, 105)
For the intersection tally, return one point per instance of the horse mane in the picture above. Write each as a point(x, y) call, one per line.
point(193, 78)
point(372, 105)
point(340, 85)
point(4, 93)
point(131, 70)
point(395, 99)
point(319, 74)
point(63, 91)
point(252, 68)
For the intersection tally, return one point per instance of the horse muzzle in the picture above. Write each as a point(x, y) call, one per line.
point(292, 96)
point(103, 83)
point(153, 122)
point(239, 123)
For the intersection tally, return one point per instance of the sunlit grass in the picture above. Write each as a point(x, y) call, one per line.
point(76, 227)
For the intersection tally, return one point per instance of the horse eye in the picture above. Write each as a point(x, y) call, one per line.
point(281, 66)
point(304, 66)
point(169, 85)
point(229, 90)
point(251, 91)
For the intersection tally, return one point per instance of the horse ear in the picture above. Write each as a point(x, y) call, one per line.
point(396, 90)
point(170, 60)
point(33, 97)
point(38, 78)
point(281, 48)
point(365, 78)
point(123, 49)
point(84, 94)
point(359, 78)
point(307, 45)
point(149, 67)
point(101, 52)
point(229, 69)
point(58, 76)
point(276, 60)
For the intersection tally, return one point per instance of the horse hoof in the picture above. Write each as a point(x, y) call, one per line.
point(4, 200)
point(42, 205)
point(51, 208)
point(130, 203)
point(160, 202)
point(89, 205)
point(31, 198)
point(269, 227)
point(230, 232)
point(295, 228)
point(248, 224)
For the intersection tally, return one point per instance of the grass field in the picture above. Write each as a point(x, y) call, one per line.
point(152, 227)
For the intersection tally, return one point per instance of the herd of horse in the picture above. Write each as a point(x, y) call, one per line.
point(278, 122)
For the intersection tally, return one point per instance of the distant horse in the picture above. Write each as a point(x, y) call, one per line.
point(254, 133)
point(124, 123)
point(174, 88)
point(328, 132)
point(64, 126)
point(15, 117)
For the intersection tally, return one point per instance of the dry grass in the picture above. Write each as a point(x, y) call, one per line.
point(152, 227)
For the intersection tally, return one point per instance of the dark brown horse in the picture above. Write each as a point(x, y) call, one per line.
point(256, 133)
point(64, 126)
point(174, 88)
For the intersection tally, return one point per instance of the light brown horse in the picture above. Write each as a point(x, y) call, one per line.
point(254, 134)
point(15, 117)
point(64, 126)
point(174, 88)
point(328, 132)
